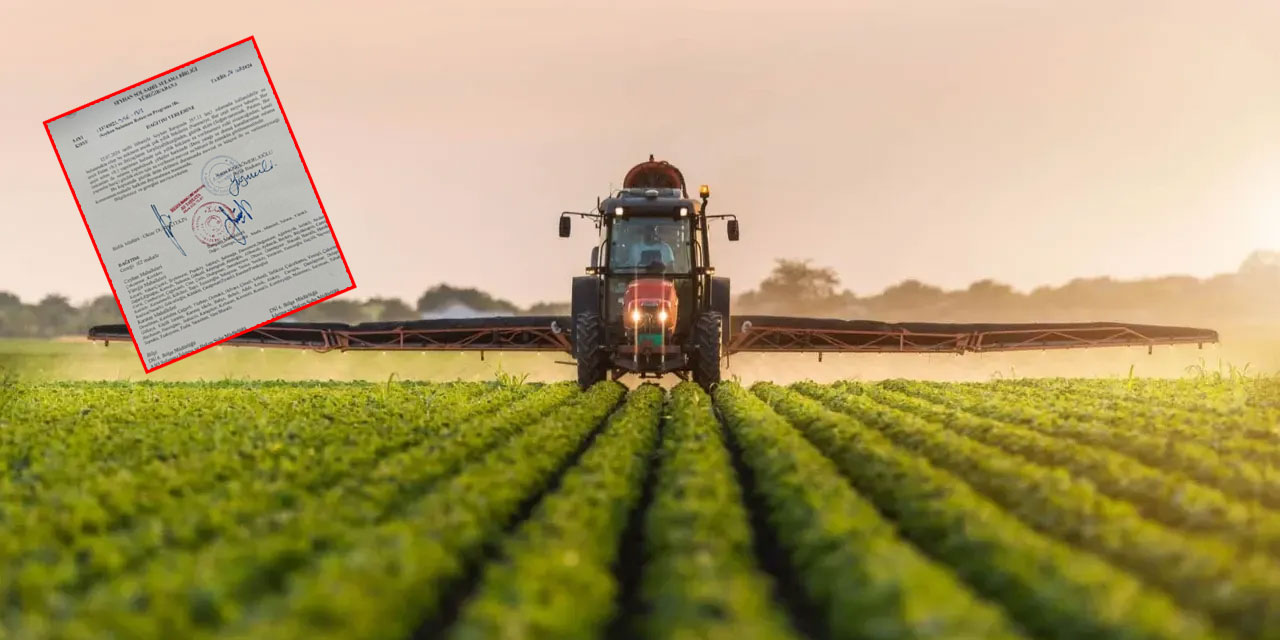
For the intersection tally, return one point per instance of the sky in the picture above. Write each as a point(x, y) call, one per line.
point(946, 141)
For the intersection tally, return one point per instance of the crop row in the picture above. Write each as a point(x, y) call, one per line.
point(854, 569)
point(1237, 588)
point(1246, 480)
point(701, 577)
point(1230, 428)
point(474, 510)
point(83, 477)
point(555, 576)
point(1238, 399)
point(1158, 494)
point(245, 552)
point(1047, 586)
point(396, 574)
point(189, 500)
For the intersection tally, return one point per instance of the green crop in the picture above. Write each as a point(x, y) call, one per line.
point(854, 568)
point(1048, 586)
point(701, 579)
point(1053, 508)
point(555, 578)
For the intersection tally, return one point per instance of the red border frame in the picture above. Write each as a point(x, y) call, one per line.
point(304, 168)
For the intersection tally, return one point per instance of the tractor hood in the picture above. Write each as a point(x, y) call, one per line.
point(650, 302)
point(655, 174)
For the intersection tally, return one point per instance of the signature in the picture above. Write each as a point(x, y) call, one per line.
point(241, 209)
point(240, 180)
point(166, 223)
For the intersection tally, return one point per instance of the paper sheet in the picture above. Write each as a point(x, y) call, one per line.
point(197, 200)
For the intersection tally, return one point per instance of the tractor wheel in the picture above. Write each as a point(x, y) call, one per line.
point(588, 349)
point(706, 354)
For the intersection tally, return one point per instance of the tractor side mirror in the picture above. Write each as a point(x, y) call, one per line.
point(733, 230)
point(564, 226)
point(595, 257)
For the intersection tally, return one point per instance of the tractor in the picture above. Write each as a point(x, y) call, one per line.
point(651, 304)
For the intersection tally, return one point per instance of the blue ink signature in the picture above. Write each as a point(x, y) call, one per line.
point(241, 208)
point(238, 181)
point(166, 223)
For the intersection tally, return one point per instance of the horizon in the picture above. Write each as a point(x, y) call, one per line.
point(354, 296)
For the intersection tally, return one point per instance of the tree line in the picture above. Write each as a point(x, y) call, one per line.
point(1251, 294)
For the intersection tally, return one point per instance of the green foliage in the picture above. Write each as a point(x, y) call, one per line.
point(701, 579)
point(507, 380)
point(1243, 587)
point(866, 581)
point(1149, 489)
point(1047, 508)
point(1047, 586)
point(555, 578)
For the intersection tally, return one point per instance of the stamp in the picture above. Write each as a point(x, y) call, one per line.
point(218, 174)
point(191, 200)
point(208, 223)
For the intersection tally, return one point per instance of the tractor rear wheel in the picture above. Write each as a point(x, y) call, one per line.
point(706, 345)
point(588, 349)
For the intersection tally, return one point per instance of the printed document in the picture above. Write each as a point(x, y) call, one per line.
point(199, 204)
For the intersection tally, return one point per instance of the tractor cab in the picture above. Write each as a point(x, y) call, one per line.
point(649, 303)
point(651, 269)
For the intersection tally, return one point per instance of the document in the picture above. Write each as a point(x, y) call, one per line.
point(196, 197)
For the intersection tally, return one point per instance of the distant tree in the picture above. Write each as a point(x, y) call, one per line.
point(989, 288)
point(55, 315)
point(1171, 288)
point(1102, 294)
point(796, 280)
point(385, 309)
point(795, 287)
point(443, 295)
point(337, 310)
point(100, 310)
point(11, 312)
point(1261, 262)
point(989, 293)
point(909, 294)
point(20, 322)
point(549, 309)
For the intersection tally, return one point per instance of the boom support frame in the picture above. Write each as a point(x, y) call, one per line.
point(748, 334)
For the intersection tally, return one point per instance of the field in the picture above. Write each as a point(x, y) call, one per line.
point(1051, 508)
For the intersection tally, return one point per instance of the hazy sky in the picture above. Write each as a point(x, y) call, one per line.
point(947, 141)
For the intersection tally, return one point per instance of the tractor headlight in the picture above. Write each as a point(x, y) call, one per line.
point(662, 316)
point(635, 316)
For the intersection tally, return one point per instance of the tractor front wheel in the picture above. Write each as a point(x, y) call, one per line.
point(706, 344)
point(588, 349)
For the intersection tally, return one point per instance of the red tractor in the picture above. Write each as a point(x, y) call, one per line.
point(651, 304)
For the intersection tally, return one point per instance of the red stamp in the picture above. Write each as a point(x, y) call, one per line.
point(194, 198)
point(208, 223)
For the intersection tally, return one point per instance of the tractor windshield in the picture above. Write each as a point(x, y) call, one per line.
point(651, 245)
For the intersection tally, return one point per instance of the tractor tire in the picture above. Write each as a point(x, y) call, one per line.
point(588, 349)
point(706, 349)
